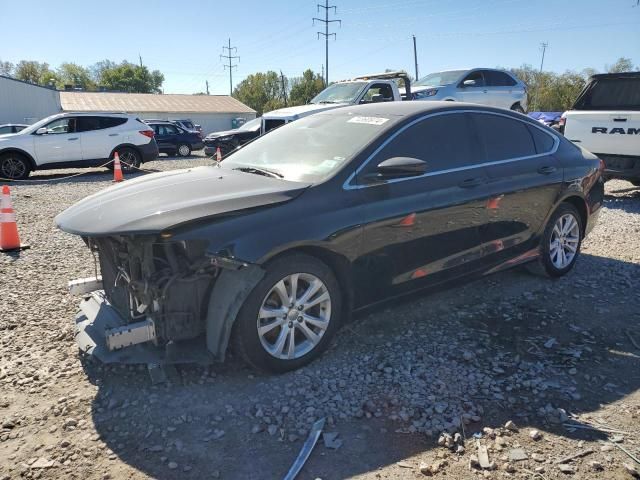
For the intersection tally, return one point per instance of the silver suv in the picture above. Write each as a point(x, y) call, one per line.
point(485, 86)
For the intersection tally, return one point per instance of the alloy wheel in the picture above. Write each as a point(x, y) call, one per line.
point(129, 161)
point(565, 239)
point(13, 168)
point(294, 316)
point(183, 150)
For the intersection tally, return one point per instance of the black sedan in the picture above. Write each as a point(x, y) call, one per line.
point(275, 247)
point(174, 140)
point(229, 140)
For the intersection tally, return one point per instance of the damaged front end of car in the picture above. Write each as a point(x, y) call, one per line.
point(159, 301)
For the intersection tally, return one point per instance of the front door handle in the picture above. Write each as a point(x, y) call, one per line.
point(72, 139)
point(113, 134)
point(546, 170)
point(472, 182)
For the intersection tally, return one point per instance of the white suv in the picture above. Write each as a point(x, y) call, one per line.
point(497, 88)
point(70, 140)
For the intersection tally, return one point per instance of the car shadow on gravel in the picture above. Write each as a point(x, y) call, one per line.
point(544, 354)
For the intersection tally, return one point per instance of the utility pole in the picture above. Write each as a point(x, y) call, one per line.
point(207, 82)
point(415, 56)
point(325, 85)
point(140, 56)
point(284, 88)
point(231, 66)
point(543, 46)
point(326, 33)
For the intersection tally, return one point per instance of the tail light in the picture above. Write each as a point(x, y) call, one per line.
point(563, 121)
point(147, 133)
point(601, 166)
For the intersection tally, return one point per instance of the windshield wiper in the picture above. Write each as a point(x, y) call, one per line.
point(260, 171)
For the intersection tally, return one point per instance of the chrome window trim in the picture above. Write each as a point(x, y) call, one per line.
point(347, 183)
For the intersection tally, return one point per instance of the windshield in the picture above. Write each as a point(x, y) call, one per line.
point(37, 125)
point(252, 125)
point(339, 93)
point(440, 78)
point(611, 94)
point(310, 149)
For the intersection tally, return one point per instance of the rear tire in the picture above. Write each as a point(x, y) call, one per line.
point(561, 241)
point(277, 306)
point(183, 150)
point(129, 159)
point(14, 166)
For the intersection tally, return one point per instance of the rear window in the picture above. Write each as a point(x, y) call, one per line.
point(611, 94)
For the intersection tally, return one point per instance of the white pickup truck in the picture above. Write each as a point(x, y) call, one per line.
point(605, 120)
point(380, 87)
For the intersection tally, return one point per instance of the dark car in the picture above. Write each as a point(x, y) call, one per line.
point(274, 247)
point(9, 128)
point(229, 140)
point(174, 140)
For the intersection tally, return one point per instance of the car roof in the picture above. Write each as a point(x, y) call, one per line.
point(406, 109)
point(14, 125)
point(158, 122)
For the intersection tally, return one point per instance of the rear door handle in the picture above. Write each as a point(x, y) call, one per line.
point(546, 170)
point(113, 134)
point(472, 182)
point(619, 119)
point(72, 139)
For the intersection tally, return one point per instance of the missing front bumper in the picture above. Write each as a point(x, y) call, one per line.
point(102, 333)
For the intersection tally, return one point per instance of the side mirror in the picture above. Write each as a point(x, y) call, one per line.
point(42, 131)
point(469, 83)
point(377, 98)
point(397, 167)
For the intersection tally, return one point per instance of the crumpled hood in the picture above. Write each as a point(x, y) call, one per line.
point(222, 133)
point(302, 110)
point(155, 202)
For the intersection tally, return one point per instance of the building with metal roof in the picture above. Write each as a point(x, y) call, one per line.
point(23, 102)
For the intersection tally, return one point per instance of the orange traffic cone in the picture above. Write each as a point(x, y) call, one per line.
point(9, 239)
point(117, 169)
point(218, 154)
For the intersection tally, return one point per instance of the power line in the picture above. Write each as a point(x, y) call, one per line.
point(231, 66)
point(326, 33)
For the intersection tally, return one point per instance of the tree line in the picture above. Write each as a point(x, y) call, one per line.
point(108, 75)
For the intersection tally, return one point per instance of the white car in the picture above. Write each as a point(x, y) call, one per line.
point(70, 140)
point(486, 86)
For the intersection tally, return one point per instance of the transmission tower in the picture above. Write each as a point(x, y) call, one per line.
point(326, 33)
point(230, 66)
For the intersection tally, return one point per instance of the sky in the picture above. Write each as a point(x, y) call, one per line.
point(184, 39)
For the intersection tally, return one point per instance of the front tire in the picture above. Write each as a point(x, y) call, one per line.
point(184, 150)
point(14, 166)
point(517, 108)
point(290, 316)
point(561, 241)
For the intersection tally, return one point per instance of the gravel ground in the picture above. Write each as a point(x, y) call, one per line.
point(528, 370)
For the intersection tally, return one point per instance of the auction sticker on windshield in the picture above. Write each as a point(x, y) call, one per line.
point(368, 120)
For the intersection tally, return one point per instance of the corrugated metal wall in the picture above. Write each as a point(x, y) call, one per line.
point(210, 122)
point(24, 103)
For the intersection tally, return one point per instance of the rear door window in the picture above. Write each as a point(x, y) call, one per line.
point(87, 124)
point(503, 138)
point(442, 141)
point(544, 142)
point(498, 79)
point(612, 94)
point(109, 122)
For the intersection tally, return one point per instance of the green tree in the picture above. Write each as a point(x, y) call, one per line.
point(261, 91)
point(76, 75)
point(622, 65)
point(129, 77)
point(304, 88)
point(35, 72)
point(6, 68)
